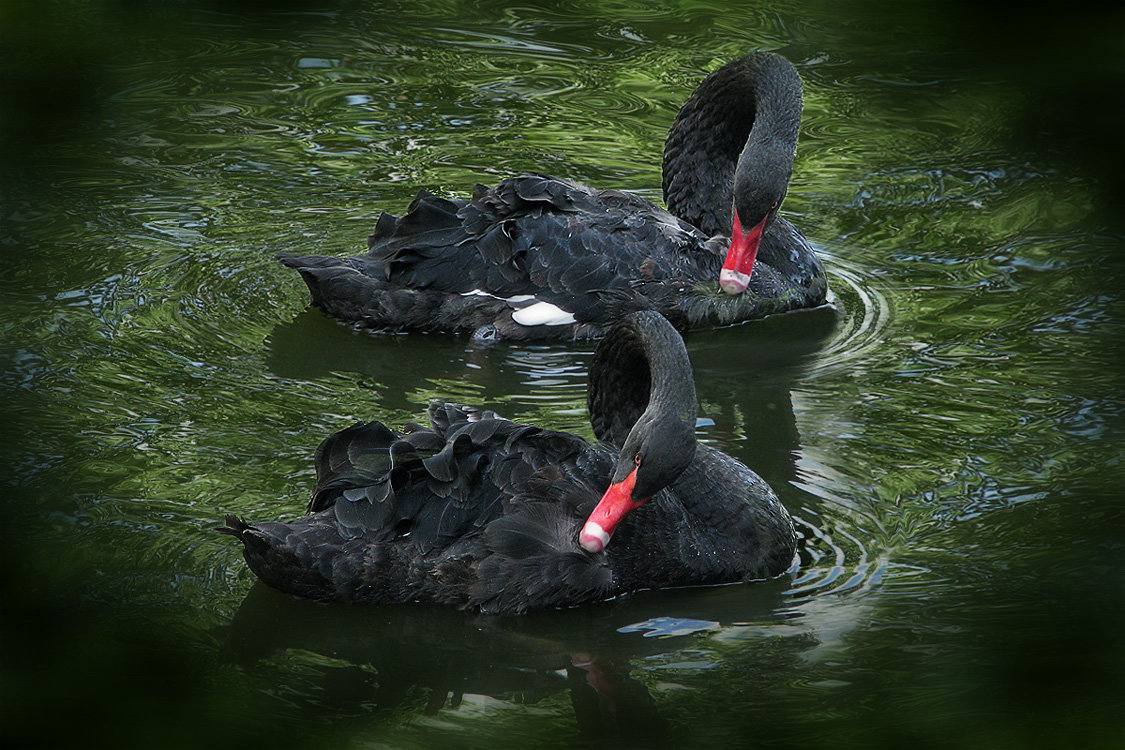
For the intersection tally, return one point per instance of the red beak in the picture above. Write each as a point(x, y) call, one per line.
point(739, 264)
point(615, 504)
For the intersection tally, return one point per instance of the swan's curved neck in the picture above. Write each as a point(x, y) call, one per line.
point(640, 373)
point(740, 125)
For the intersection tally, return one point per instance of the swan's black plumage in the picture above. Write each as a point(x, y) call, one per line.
point(471, 265)
point(482, 513)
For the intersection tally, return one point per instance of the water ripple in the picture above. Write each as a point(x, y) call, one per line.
point(866, 316)
point(833, 560)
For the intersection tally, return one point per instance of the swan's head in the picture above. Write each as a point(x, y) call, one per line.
point(655, 454)
point(759, 187)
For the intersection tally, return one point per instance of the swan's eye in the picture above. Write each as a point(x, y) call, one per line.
point(637, 459)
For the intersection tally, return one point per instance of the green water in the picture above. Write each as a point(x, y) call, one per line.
point(948, 435)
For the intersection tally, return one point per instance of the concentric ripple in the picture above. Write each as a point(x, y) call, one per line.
point(833, 560)
point(865, 315)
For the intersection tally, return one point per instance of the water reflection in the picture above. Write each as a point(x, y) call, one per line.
point(743, 375)
point(372, 659)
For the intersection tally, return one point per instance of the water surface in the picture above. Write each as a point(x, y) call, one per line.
point(947, 435)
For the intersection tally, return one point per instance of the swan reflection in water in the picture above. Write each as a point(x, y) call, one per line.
point(374, 659)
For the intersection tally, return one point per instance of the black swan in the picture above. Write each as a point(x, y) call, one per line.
point(486, 514)
point(540, 257)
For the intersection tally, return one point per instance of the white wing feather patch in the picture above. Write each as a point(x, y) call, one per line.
point(537, 314)
point(542, 314)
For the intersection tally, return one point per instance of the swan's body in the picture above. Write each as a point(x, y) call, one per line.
point(539, 257)
point(483, 513)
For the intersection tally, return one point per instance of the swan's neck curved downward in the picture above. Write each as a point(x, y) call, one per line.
point(732, 144)
point(640, 374)
point(641, 399)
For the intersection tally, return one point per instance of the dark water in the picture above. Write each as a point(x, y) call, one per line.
point(948, 436)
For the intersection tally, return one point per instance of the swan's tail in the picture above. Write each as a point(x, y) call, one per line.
point(303, 558)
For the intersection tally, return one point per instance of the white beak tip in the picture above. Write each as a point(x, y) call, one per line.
point(733, 282)
point(593, 537)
